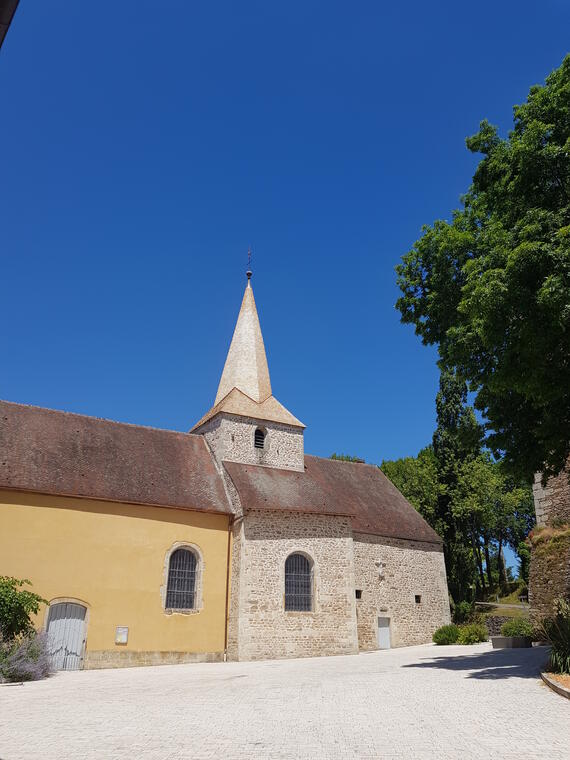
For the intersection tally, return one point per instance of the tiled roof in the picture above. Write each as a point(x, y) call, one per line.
point(238, 403)
point(361, 491)
point(70, 454)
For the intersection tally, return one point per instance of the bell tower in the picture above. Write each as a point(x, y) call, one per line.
point(247, 424)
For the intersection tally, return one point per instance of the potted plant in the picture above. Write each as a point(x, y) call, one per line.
point(515, 633)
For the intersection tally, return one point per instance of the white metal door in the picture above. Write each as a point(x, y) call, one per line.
point(66, 635)
point(383, 633)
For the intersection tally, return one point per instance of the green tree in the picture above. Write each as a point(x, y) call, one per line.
point(17, 605)
point(456, 442)
point(416, 478)
point(492, 287)
point(498, 511)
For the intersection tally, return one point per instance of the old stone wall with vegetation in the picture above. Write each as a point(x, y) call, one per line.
point(391, 575)
point(549, 570)
point(550, 545)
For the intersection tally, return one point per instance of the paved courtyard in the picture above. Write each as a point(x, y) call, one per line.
point(417, 702)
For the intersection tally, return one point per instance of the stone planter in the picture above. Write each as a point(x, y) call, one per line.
point(511, 642)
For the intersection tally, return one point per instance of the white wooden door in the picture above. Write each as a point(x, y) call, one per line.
point(383, 633)
point(66, 635)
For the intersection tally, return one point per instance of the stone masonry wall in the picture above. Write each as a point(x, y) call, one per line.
point(390, 573)
point(550, 558)
point(549, 577)
point(111, 658)
point(265, 629)
point(552, 503)
point(231, 438)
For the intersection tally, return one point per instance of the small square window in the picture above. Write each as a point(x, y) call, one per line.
point(358, 593)
point(418, 599)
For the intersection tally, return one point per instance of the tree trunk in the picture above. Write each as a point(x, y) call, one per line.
point(503, 582)
point(477, 554)
point(488, 562)
point(480, 566)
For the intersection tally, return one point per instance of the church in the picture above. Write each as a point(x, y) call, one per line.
point(227, 542)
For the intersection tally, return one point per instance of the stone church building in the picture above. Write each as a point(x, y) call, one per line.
point(225, 542)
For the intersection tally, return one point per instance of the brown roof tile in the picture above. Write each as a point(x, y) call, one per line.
point(70, 454)
point(333, 487)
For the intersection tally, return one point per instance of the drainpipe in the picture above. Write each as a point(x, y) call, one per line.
point(227, 617)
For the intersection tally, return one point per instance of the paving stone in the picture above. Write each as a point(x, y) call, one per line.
point(421, 702)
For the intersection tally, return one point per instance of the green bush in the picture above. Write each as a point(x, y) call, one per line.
point(25, 658)
point(517, 627)
point(472, 634)
point(557, 631)
point(16, 607)
point(462, 612)
point(447, 634)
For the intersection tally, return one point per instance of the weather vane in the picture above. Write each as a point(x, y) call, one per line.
point(249, 255)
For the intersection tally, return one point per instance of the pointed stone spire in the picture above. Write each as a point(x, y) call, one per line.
point(246, 364)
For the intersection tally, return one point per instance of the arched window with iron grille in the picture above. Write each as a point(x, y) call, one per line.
point(181, 586)
point(298, 583)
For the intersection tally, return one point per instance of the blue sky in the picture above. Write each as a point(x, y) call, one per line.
point(145, 149)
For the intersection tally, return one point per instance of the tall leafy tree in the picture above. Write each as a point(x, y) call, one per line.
point(416, 478)
point(492, 287)
point(456, 442)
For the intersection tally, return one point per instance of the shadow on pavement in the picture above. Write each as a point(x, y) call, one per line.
point(499, 663)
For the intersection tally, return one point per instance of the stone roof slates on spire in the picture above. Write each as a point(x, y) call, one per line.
point(246, 364)
point(245, 387)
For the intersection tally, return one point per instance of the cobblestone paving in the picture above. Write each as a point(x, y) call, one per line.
point(418, 702)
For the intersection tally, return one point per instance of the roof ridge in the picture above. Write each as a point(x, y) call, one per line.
point(347, 461)
point(98, 419)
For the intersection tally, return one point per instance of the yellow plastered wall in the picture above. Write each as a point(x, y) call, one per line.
point(112, 557)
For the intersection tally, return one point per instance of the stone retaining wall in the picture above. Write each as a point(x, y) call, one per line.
point(549, 576)
point(494, 624)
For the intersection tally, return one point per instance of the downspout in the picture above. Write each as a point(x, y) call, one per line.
point(227, 619)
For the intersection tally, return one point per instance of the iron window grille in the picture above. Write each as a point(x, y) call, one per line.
point(298, 584)
point(181, 586)
point(259, 439)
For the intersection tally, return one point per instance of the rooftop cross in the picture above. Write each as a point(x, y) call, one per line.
point(249, 272)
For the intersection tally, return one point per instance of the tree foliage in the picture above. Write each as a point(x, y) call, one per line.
point(469, 499)
point(492, 287)
point(17, 605)
point(416, 478)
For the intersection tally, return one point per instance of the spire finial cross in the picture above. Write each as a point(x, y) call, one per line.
point(249, 255)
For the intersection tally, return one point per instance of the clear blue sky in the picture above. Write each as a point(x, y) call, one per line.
point(146, 145)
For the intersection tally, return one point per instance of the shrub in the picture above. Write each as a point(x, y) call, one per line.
point(447, 634)
point(26, 659)
point(16, 607)
point(462, 612)
point(472, 634)
point(517, 627)
point(557, 631)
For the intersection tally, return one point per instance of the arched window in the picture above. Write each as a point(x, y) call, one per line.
point(298, 583)
point(181, 586)
point(259, 438)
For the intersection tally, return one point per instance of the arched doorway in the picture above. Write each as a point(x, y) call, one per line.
point(67, 632)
